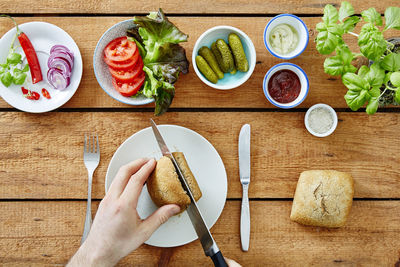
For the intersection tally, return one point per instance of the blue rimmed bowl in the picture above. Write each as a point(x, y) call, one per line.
point(297, 24)
point(101, 71)
point(229, 81)
point(305, 85)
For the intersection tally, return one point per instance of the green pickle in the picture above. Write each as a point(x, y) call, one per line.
point(206, 70)
point(238, 53)
point(227, 59)
point(218, 57)
point(208, 55)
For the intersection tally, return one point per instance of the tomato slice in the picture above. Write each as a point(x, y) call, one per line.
point(129, 89)
point(128, 75)
point(120, 49)
point(124, 65)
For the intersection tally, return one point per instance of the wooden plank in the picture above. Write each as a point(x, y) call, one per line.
point(37, 233)
point(41, 155)
point(190, 91)
point(184, 7)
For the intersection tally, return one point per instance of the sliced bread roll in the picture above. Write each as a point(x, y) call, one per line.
point(164, 186)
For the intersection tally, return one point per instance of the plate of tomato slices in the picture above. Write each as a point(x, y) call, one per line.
point(118, 65)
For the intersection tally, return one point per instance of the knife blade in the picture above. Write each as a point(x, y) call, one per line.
point(244, 170)
point(207, 241)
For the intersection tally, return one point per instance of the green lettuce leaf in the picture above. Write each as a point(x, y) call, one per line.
point(163, 92)
point(158, 41)
point(158, 35)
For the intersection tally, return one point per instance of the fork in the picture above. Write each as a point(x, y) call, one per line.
point(91, 158)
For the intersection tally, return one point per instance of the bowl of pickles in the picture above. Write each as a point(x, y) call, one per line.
point(224, 57)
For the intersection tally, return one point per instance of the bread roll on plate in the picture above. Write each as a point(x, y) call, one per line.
point(164, 186)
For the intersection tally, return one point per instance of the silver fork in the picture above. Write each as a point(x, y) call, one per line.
point(91, 158)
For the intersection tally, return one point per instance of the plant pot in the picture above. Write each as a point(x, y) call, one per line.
point(388, 97)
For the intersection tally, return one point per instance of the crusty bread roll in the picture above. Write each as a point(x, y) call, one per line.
point(164, 186)
point(323, 198)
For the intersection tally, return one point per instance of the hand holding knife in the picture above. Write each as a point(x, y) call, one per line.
point(209, 245)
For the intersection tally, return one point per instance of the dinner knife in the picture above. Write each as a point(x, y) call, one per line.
point(209, 245)
point(244, 170)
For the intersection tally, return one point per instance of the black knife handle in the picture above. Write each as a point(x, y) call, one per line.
point(219, 260)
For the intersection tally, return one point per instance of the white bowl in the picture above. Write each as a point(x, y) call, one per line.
point(297, 24)
point(221, 32)
point(334, 116)
point(303, 81)
point(101, 71)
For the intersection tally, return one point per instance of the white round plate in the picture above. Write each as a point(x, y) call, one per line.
point(43, 37)
point(101, 70)
point(203, 160)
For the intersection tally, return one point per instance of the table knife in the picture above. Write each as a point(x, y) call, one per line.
point(244, 170)
point(209, 245)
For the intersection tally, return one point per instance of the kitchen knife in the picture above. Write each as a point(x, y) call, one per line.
point(209, 246)
point(244, 169)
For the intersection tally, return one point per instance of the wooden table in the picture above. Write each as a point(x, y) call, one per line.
point(43, 181)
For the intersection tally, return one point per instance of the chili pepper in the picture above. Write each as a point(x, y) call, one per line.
point(32, 95)
point(31, 57)
point(46, 93)
point(30, 54)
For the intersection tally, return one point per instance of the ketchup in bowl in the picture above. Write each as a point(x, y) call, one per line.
point(284, 86)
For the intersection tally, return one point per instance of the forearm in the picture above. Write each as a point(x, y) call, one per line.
point(87, 257)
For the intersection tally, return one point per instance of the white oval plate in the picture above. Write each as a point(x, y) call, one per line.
point(203, 160)
point(43, 37)
point(101, 71)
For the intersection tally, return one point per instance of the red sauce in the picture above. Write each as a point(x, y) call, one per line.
point(284, 86)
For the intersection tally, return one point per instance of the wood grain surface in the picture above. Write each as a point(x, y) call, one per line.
point(190, 91)
point(43, 181)
point(42, 154)
point(182, 7)
point(48, 233)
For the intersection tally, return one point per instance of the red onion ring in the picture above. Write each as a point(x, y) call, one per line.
point(61, 64)
point(61, 48)
point(57, 79)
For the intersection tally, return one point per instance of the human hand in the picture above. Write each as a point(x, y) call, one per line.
point(117, 228)
point(232, 263)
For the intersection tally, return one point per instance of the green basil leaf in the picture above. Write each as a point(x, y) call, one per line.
point(14, 58)
point(354, 82)
point(19, 78)
point(366, 32)
point(350, 68)
point(2, 69)
point(321, 27)
point(372, 16)
point(6, 78)
point(363, 71)
point(392, 17)
point(391, 62)
point(375, 76)
point(326, 42)
point(372, 44)
point(336, 29)
point(331, 15)
point(356, 99)
point(333, 66)
point(344, 53)
point(372, 106)
point(395, 79)
point(345, 10)
point(387, 77)
point(397, 96)
point(26, 68)
point(350, 23)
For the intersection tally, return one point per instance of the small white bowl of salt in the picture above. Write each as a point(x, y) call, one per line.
point(321, 120)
